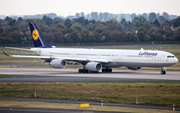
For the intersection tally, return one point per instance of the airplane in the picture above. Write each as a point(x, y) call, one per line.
point(94, 60)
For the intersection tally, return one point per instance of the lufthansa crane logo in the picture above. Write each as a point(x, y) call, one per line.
point(35, 34)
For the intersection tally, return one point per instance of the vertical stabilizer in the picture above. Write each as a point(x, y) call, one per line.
point(38, 39)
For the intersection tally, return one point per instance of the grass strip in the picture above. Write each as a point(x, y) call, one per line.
point(3, 76)
point(162, 94)
point(46, 105)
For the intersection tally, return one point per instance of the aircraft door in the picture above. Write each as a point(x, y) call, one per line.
point(120, 56)
point(159, 57)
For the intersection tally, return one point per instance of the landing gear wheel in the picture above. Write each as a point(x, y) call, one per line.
point(110, 70)
point(163, 72)
point(86, 71)
point(103, 70)
point(107, 70)
point(80, 71)
point(83, 71)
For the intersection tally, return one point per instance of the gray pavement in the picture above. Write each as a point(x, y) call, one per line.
point(91, 103)
point(35, 110)
point(71, 75)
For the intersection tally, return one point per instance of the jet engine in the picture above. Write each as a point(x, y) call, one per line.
point(134, 68)
point(58, 63)
point(93, 66)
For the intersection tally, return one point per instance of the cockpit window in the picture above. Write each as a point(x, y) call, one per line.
point(170, 57)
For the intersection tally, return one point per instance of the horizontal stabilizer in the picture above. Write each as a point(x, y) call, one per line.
point(6, 53)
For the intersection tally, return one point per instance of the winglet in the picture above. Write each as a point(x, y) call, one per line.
point(6, 53)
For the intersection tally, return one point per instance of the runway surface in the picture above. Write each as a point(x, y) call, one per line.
point(91, 103)
point(35, 110)
point(71, 75)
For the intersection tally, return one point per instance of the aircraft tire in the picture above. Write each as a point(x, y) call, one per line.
point(163, 72)
point(110, 70)
point(103, 70)
point(80, 71)
point(83, 70)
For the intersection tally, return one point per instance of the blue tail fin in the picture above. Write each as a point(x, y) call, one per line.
point(38, 39)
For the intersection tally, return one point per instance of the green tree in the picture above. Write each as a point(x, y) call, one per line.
point(20, 19)
point(59, 25)
point(67, 23)
point(112, 20)
point(80, 20)
point(12, 23)
point(6, 40)
point(8, 19)
point(138, 21)
point(156, 22)
point(176, 23)
point(58, 20)
point(77, 27)
point(147, 38)
point(75, 36)
point(100, 28)
point(147, 25)
point(1, 30)
point(49, 22)
point(142, 33)
point(44, 18)
point(177, 34)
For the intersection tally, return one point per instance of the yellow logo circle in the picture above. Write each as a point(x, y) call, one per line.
point(35, 34)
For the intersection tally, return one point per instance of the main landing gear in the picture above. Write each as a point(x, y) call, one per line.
point(86, 71)
point(163, 72)
point(83, 71)
point(106, 70)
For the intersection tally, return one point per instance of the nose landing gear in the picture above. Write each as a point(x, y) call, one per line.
point(163, 72)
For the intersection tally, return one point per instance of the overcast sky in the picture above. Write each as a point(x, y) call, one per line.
point(70, 7)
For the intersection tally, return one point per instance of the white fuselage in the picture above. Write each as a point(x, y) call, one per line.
point(117, 58)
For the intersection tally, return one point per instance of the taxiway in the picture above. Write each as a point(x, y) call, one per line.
point(71, 75)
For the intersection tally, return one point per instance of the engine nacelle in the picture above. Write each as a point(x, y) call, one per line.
point(58, 63)
point(134, 68)
point(93, 66)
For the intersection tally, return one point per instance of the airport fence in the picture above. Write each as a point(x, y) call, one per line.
point(96, 44)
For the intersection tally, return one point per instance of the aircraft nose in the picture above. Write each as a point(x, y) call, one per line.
point(176, 60)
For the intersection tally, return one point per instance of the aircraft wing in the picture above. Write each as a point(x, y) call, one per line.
point(22, 49)
point(65, 58)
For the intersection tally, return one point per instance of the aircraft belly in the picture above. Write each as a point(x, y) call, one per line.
point(110, 65)
point(144, 64)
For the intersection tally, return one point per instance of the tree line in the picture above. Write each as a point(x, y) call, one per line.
point(84, 30)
